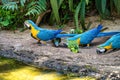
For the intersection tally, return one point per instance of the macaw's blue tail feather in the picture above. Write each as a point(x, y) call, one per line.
point(103, 34)
point(58, 31)
point(65, 35)
point(99, 27)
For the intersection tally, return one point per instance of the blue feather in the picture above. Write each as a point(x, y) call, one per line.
point(88, 36)
point(103, 34)
point(65, 35)
point(114, 41)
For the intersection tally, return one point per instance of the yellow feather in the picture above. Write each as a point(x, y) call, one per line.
point(78, 41)
point(108, 47)
point(34, 32)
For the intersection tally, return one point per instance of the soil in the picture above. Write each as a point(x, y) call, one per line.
point(46, 55)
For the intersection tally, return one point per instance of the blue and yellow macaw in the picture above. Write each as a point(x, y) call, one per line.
point(112, 43)
point(87, 37)
point(45, 34)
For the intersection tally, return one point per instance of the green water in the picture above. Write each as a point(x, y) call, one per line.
point(11, 69)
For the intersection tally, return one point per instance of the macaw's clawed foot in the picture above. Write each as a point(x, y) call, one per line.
point(87, 46)
point(56, 42)
point(41, 43)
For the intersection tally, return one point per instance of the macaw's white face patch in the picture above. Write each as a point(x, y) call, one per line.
point(100, 50)
point(27, 25)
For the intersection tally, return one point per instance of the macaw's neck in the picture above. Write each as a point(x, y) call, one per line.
point(108, 47)
point(78, 41)
point(34, 32)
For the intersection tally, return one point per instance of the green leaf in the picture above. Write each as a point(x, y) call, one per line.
point(73, 46)
point(71, 5)
point(82, 14)
point(36, 7)
point(5, 23)
point(117, 5)
point(103, 5)
point(55, 8)
point(87, 1)
point(22, 2)
point(76, 15)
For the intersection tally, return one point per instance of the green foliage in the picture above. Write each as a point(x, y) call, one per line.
point(76, 15)
point(101, 6)
point(62, 11)
point(73, 46)
point(80, 9)
point(12, 5)
point(6, 18)
point(82, 15)
point(70, 5)
point(55, 9)
point(117, 5)
point(36, 7)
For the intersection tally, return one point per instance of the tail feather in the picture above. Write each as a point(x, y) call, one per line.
point(103, 34)
point(65, 35)
point(58, 31)
point(100, 27)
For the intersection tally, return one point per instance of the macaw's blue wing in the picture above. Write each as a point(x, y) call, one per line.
point(65, 35)
point(46, 35)
point(88, 36)
point(103, 34)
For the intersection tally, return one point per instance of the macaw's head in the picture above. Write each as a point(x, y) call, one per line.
point(101, 50)
point(27, 24)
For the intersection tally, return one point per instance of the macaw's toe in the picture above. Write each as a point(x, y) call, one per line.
point(100, 50)
point(65, 45)
point(56, 42)
point(39, 43)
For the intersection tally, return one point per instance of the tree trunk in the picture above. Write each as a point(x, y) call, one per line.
point(41, 16)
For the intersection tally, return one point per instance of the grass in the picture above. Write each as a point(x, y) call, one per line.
point(11, 69)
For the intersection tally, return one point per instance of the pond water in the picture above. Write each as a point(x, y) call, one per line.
point(11, 69)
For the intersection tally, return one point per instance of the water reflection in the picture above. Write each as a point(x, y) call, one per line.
point(14, 70)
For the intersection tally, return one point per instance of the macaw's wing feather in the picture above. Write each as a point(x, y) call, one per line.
point(75, 37)
point(47, 34)
point(103, 34)
point(65, 35)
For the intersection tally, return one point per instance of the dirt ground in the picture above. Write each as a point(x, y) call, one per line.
point(20, 41)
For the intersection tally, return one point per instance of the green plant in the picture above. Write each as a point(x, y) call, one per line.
point(12, 5)
point(73, 46)
point(117, 5)
point(36, 7)
point(101, 6)
point(6, 18)
point(80, 9)
point(12, 13)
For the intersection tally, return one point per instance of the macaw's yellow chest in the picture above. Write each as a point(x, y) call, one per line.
point(34, 33)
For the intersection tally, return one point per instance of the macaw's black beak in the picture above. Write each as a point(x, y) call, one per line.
point(101, 50)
